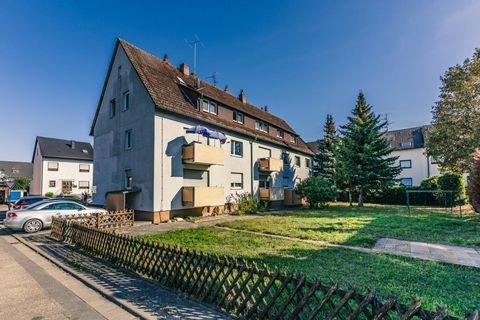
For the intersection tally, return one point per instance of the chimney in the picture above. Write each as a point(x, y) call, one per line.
point(197, 82)
point(185, 69)
point(226, 88)
point(265, 108)
point(166, 60)
point(242, 96)
point(72, 144)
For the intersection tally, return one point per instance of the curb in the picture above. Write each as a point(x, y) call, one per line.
point(87, 282)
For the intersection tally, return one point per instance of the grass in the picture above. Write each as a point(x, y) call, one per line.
point(433, 282)
point(363, 226)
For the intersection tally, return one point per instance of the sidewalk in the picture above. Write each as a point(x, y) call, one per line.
point(149, 300)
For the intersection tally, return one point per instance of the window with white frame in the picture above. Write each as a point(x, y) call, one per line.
point(262, 126)
point(128, 139)
point(406, 144)
point(405, 164)
point(293, 139)
point(209, 106)
point(112, 108)
point(126, 101)
point(83, 184)
point(84, 167)
point(53, 166)
point(236, 180)
point(298, 163)
point(238, 117)
point(280, 133)
point(407, 182)
point(52, 184)
point(236, 148)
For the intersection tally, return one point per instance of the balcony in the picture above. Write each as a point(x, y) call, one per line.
point(270, 194)
point(203, 196)
point(291, 198)
point(270, 164)
point(201, 154)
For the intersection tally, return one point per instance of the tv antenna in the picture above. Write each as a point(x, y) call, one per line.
point(214, 78)
point(194, 44)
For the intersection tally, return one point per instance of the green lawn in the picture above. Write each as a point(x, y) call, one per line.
point(433, 282)
point(363, 226)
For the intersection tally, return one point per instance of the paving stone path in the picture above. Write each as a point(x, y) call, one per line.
point(430, 251)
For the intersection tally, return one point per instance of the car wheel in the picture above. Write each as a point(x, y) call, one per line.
point(32, 226)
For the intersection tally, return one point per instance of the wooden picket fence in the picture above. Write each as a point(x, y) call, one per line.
point(242, 289)
point(103, 221)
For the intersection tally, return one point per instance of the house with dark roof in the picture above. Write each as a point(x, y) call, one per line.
point(146, 159)
point(62, 167)
point(9, 171)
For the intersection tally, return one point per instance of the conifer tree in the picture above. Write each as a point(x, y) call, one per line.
point(365, 159)
point(325, 157)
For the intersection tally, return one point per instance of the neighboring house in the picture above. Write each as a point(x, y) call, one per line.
point(9, 171)
point(63, 167)
point(409, 145)
point(145, 160)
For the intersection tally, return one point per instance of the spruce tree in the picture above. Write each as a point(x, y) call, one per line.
point(325, 157)
point(365, 157)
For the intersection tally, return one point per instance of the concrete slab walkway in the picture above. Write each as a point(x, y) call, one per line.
point(430, 251)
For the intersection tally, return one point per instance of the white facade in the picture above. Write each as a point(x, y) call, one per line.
point(153, 166)
point(416, 166)
point(60, 176)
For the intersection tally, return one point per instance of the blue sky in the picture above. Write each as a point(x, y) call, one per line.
point(303, 59)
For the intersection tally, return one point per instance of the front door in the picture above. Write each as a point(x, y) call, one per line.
point(67, 186)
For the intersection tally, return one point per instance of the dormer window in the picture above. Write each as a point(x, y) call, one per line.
point(262, 126)
point(293, 139)
point(238, 117)
point(280, 133)
point(209, 106)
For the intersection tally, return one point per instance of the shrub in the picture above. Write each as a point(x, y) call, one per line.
point(474, 183)
point(430, 183)
point(49, 194)
point(453, 182)
point(246, 204)
point(317, 190)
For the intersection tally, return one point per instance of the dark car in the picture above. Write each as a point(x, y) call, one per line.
point(24, 202)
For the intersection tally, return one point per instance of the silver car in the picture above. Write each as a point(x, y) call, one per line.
point(39, 215)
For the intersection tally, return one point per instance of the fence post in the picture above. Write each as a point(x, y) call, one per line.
point(97, 215)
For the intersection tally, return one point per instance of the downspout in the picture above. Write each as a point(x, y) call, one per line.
point(428, 166)
point(251, 165)
point(162, 173)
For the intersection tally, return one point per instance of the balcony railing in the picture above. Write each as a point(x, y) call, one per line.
point(270, 164)
point(198, 153)
point(291, 198)
point(270, 194)
point(203, 196)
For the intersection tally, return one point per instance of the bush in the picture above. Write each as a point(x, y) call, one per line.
point(246, 204)
point(317, 190)
point(49, 194)
point(430, 183)
point(453, 182)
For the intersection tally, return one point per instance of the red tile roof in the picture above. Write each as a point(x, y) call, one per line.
point(161, 80)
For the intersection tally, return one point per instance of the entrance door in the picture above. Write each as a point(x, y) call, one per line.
point(67, 186)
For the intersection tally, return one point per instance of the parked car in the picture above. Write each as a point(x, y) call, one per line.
point(39, 215)
point(24, 202)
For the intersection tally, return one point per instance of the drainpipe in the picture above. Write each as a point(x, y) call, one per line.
point(428, 166)
point(251, 165)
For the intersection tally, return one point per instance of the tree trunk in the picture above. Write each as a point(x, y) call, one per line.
point(360, 198)
point(350, 198)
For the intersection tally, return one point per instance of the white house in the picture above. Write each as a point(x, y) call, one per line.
point(62, 167)
point(409, 145)
point(144, 158)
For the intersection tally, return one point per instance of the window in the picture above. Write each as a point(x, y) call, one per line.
point(126, 101)
point(285, 158)
point(280, 133)
point(53, 166)
point(405, 163)
point(307, 163)
point(297, 161)
point(128, 179)
point(238, 117)
point(237, 148)
point(112, 108)
point(264, 181)
point(83, 184)
point(262, 126)
point(84, 167)
point(407, 182)
point(128, 139)
point(236, 180)
point(406, 144)
point(293, 139)
point(52, 184)
point(209, 106)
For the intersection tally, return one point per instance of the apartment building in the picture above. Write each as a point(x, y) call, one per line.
point(62, 167)
point(146, 159)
